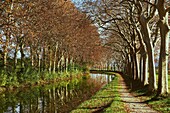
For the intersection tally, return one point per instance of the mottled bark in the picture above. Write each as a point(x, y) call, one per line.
point(44, 58)
point(163, 58)
point(32, 56)
point(66, 64)
point(15, 56)
point(150, 51)
point(22, 54)
point(39, 62)
point(143, 59)
point(59, 64)
point(137, 71)
point(5, 53)
point(55, 58)
point(38, 59)
point(50, 59)
point(145, 70)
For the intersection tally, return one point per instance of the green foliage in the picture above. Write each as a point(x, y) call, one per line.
point(46, 75)
point(30, 76)
point(117, 104)
point(85, 69)
point(8, 79)
point(3, 78)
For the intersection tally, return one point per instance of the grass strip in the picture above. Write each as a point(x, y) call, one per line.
point(161, 104)
point(105, 100)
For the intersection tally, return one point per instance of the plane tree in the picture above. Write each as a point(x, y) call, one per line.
point(135, 22)
point(163, 8)
point(46, 35)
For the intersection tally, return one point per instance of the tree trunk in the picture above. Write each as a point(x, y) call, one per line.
point(38, 59)
point(50, 59)
point(129, 69)
point(55, 58)
point(72, 64)
point(15, 56)
point(150, 50)
point(145, 70)
point(163, 58)
point(63, 63)
point(144, 59)
point(136, 66)
point(66, 64)
point(39, 62)
point(152, 72)
point(44, 58)
point(8, 35)
point(5, 59)
point(5, 52)
point(141, 66)
point(32, 57)
point(132, 68)
point(60, 63)
point(22, 55)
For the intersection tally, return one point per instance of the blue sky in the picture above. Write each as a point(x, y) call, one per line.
point(77, 2)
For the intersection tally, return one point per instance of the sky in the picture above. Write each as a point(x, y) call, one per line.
point(77, 1)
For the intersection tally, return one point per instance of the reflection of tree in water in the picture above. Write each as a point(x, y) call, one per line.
point(50, 99)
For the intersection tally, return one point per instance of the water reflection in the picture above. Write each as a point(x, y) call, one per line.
point(55, 98)
point(103, 77)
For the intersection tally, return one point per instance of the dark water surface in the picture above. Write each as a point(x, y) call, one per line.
point(55, 98)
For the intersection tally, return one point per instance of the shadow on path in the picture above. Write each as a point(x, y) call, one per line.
point(132, 103)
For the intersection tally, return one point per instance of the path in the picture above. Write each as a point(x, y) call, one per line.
point(132, 104)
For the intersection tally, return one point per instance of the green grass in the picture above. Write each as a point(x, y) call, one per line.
point(117, 105)
point(106, 100)
point(162, 104)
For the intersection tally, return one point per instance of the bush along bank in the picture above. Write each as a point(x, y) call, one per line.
point(12, 81)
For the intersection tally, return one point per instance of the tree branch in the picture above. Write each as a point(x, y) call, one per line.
point(167, 9)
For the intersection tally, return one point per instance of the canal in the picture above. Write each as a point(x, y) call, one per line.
point(55, 98)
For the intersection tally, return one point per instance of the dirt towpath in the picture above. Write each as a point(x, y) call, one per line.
point(132, 104)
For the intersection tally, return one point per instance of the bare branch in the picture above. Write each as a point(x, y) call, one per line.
point(167, 10)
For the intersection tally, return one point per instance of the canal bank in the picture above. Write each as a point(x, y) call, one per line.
point(57, 97)
point(106, 100)
point(115, 97)
point(33, 79)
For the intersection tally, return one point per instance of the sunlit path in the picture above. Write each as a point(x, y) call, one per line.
point(132, 104)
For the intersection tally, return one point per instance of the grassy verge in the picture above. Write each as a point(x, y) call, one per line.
point(161, 104)
point(106, 100)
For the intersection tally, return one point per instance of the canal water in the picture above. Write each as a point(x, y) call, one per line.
point(55, 98)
